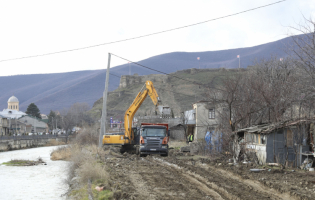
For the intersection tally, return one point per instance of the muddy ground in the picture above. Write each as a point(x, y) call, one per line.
point(182, 176)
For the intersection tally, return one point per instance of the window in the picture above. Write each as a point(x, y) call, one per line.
point(248, 138)
point(211, 113)
point(154, 132)
point(262, 139)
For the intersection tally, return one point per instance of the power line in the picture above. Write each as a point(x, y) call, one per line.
point(114, 75)
point(142, 36)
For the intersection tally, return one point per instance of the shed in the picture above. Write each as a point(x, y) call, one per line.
point(287, 142)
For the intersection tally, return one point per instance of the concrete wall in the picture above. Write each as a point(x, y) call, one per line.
point(6, 145)
point(177, 133)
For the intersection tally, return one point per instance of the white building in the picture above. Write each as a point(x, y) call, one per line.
point(15, 121)
point(12, 112)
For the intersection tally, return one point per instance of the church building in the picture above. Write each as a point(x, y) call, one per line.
point(13, 109)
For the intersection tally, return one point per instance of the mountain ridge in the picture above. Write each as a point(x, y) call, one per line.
point(60, 90)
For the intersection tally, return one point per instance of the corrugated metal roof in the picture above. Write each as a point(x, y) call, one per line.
point(267, 128)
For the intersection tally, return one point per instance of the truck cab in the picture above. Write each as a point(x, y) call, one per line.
point(153, 139)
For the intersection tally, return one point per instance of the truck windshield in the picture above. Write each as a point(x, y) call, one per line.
point(155, 132)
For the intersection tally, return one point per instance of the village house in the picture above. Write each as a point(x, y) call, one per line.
point(286, 143)
point(198, 121)
point(4, 125)
point(205, 119)
point(37, 125)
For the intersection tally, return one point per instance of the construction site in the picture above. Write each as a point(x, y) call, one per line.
point(165, 157)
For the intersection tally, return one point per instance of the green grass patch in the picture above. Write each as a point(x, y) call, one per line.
point(18, 162)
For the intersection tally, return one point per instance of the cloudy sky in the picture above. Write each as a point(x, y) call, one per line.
point(39, 27)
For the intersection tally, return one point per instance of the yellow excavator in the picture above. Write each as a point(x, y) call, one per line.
point(133, 136)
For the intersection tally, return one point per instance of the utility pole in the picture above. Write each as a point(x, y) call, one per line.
point(239, 61)
point(104, 113)
point(35, 124)
point(129, 69)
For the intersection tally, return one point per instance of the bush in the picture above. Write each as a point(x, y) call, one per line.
point(88, 135)
point(61, 153)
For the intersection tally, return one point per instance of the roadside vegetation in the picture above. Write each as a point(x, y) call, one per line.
point(87, 174)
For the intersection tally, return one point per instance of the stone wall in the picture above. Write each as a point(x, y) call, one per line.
point(177, 133)
point(127, 80)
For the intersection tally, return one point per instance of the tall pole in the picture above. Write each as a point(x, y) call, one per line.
point(35, 124)
point(239, 61)
point(129, 69)
point(104, 113)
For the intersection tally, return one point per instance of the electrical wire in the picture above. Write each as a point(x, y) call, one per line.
point(142, 36)
point(114, 75)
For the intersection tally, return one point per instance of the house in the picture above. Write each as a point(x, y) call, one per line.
point(4, 125)
point(198, 121)
point(37, 125)
point(205, 116)
point(18, 127)
point(283, 142)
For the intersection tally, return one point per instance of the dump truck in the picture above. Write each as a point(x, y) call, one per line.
point(131, 138)
point(153, 139)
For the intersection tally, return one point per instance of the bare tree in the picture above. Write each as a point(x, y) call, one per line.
point(76, 115)
point(265, 93)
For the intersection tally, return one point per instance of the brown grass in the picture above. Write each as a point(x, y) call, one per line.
point(61, 153)
point(54, 142)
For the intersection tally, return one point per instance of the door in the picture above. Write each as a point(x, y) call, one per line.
point(289, 149)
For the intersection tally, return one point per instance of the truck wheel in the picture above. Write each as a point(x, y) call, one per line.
point(164, 155)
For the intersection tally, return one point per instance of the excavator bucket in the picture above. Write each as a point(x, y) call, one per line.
point(165, 111)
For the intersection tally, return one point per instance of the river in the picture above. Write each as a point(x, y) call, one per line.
point(32, 182)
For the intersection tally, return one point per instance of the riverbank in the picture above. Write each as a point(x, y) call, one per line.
point(9, 145)
point(32, 182)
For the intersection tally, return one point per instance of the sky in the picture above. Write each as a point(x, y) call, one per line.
point(37, 27)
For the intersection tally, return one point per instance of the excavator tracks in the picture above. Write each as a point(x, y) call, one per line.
point(156, 177)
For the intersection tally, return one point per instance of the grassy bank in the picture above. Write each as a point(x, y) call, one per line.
point(87, 173)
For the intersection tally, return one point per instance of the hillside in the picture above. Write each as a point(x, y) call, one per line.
point(61, 90)
point(176, 93)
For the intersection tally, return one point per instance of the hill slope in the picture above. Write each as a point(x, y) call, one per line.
point(57, 91)
point(177, 93)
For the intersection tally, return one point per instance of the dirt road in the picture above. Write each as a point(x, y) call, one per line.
point(172, 177)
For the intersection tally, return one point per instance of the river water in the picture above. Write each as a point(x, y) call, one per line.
point(32, 182)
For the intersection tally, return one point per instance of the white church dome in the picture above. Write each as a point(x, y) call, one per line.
point(13, 99)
